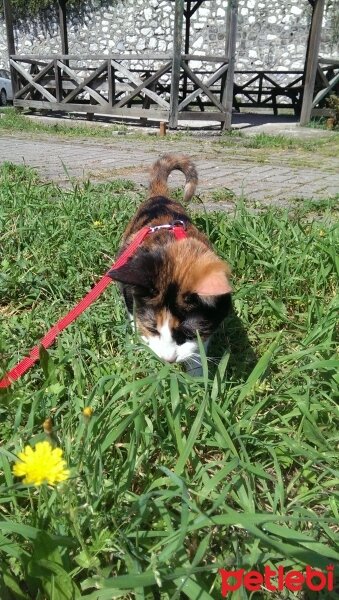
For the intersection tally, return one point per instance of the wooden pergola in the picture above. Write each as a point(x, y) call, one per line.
point(312, 60)
point(173, 89)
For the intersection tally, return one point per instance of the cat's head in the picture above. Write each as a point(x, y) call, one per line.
point(174, 291)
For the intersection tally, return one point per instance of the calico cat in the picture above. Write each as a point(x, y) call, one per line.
point(174, 288)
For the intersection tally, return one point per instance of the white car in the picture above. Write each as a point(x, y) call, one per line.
point(6, 92)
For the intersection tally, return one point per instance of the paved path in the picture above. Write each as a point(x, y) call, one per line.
point(275, 181)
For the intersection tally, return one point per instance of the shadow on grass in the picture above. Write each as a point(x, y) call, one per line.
point(232, 336)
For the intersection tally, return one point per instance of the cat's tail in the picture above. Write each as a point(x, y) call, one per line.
point(164, 166)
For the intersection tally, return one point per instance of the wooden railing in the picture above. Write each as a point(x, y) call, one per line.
point(268, 89)
point(140, 85)
point(125, 85)
point(326, 83)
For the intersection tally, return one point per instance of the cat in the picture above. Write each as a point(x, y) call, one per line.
point(173, 288)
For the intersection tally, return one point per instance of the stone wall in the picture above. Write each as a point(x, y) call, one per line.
point(271, 33)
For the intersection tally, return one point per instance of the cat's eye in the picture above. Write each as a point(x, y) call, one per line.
point(183, 335)
point(153, 330)
point(179, 337)
point(190, 298)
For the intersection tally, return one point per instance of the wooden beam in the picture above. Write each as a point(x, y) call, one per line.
point(206, 57)
point(231, 40)
point(93, 94)
point(94, 57)
point(187, 15)
point(36, 78)
point(111, 83)
point(31, 80)
point(202, 87)
point(90, 79)
point(176, 62)
point(63, 26)
point(9, 27)
point(187, 26)
point(323, 93)
point(312, 61)
point(144, 84)
point(136, 81)
point(208, 84)
point(10, 42)
point(329, 61)
point(58, 81)
point(148, 113)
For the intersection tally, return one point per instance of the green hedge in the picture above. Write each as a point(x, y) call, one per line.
point(25, 9)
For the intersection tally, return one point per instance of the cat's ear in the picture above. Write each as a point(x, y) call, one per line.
point(129, 274)
point(139, 272)
point(215, 283)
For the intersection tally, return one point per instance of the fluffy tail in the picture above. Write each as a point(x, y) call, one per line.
point(163, 167)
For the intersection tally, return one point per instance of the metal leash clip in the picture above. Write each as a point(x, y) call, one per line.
point(179, 223)
point(176, 223)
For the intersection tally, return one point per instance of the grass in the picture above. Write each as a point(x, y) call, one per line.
point(12, 120)
point(316, 152)
point(282, 142)
point(172, 477)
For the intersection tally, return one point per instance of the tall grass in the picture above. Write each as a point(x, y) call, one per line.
point(172, 477)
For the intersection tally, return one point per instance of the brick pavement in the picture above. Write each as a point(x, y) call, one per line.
point(58, 159)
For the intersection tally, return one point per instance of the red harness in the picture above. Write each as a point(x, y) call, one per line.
point(179, 230)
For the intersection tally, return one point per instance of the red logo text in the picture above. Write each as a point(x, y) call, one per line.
point(277, 580)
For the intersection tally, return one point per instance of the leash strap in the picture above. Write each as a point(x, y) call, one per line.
point(27, 362)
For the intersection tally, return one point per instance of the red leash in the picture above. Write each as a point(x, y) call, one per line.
point(178, 229)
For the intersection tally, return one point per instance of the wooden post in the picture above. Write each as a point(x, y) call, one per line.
point(176, 62)
point(231, 40)
point(10, 42)
point(111, 82)
point(187, 26)
point(162, 129)
point(187, 14)
point(312, 61)
point(63, 27)
point(58, 81)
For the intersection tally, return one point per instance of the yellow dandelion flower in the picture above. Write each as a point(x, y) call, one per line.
point(97, 224)
point(87, 412)
point(41, 464)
